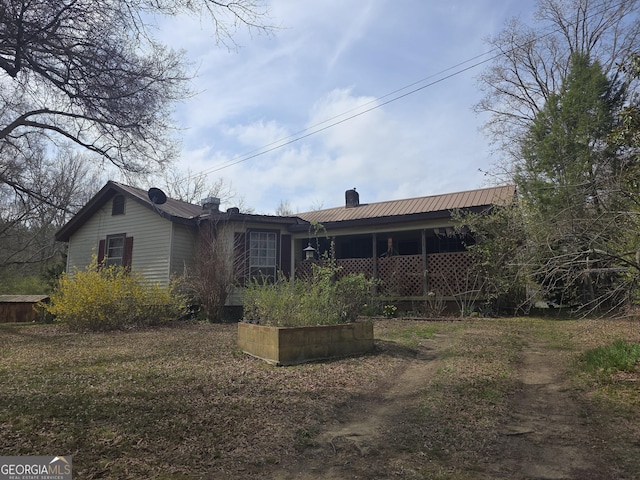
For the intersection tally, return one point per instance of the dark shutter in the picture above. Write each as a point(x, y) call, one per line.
point(285, 255)
point(240, 256)
point(128, 252)
point(101, 247)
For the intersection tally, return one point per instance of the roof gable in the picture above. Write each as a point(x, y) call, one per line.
point(173, 210)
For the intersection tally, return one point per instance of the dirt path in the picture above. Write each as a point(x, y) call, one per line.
point(545, 435)
point(347, 450)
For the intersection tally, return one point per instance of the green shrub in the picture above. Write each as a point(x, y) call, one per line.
point(112, 298)
point(351, 294)
point(389, 310)
point(619, 356)
point(14, 283)
point(270, 303)
point(317, 300)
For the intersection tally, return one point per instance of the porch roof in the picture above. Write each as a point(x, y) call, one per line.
point(410, 207)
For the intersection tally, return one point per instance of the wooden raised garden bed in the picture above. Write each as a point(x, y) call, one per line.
point(294, 345)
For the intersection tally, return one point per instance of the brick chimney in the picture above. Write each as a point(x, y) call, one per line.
point(211, 204)
point(352, 198)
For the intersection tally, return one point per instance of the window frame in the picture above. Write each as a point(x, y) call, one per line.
point(115, 260)
point(259, 266)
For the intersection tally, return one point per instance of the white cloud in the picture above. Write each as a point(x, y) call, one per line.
point(355, 30)
point(328, 60)
point(260, 134)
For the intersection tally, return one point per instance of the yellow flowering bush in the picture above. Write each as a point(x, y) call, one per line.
point(112, 298)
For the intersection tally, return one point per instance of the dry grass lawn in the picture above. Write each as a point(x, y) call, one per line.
point(184, 402)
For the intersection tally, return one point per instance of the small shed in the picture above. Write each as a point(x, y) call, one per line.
point(21, 308)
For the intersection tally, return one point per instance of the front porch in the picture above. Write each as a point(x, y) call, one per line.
point(409, 264)
point(408, 276)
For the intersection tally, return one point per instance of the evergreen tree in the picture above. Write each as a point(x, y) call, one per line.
point(567, 162)
point(568, 178)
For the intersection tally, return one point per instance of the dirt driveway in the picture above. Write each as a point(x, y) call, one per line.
point(547, 434)
point(540, 425)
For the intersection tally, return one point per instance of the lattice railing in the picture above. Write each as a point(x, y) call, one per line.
point(401, 275)
point(355, 265)
point(447, 274)
point(450, 274)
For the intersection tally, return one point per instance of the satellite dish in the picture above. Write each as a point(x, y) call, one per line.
point(157, 196)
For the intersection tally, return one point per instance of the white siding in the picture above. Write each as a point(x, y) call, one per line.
point(151, 239)
point(183, 249)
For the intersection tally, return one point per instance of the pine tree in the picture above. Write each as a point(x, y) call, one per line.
point(568, 178)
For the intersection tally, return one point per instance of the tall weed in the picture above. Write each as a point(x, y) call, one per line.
point(317, 300)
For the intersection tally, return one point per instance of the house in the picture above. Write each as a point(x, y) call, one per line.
point(410, 244)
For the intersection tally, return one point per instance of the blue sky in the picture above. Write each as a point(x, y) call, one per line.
point(327, 59)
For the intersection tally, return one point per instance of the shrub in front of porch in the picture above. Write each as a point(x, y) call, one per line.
point(318, 299)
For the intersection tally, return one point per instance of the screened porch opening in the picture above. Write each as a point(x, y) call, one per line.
point(408, 264)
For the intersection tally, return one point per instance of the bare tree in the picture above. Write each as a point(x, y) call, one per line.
point(284, 209)
point(90, 74)
point(192, 187)
point(532, 62)
point(36, 200)
point(215, 273)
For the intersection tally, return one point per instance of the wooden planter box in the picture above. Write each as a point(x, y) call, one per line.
point(293, 345)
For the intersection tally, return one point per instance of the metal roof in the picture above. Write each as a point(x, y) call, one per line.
point(174, 210)
point(435, 206)
point(22, 298)
point(445, 203)
point(172, 207)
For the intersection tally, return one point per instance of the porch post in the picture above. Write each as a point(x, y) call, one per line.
point(293, 259)
point(375, 256)
point(425, 276)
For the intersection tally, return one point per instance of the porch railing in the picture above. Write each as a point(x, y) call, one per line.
point(446, 274)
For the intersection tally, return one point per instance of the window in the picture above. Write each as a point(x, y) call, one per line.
point(115, 250)
point(117, 206)
point(263, 255)
point(114, 253)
